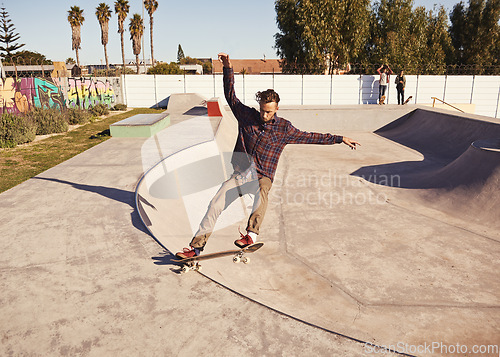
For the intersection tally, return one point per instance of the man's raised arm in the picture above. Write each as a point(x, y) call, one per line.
point(239, 109)
point(224, 58)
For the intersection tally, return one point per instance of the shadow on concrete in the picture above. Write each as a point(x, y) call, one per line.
point(162, 103)
point(115, 194)
point(369, 89)
point(168, 259)
point(398, 174)
point(197, 111)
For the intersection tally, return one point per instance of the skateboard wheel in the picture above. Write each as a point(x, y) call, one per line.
point(246, 260)
point(198, 268)
point(236, 259)
point(184, 269)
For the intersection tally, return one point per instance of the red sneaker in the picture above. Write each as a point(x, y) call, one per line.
point(244, 241)
point(188, 253)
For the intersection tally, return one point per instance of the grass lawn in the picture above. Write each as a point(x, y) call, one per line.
point(26, 161)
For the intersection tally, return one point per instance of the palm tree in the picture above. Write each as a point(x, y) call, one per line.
point(151, 6)
point(136, 28)
point(121, 9)
point(75, 19)
point(103, 13)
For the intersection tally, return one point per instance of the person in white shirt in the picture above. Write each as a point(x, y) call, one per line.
point(384, 71)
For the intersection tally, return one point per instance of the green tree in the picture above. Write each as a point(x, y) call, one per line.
point(8, 36)
point(103, 13)
point(415, 50)
point(70, 60)
point(353, 29)
point(415, 40)
point(475, 33)
point(320, 35)
point(136, 28)
point(438, 49)
point(151, 6)
point(27, 57)
point(121, 9)
point(189, 60)
point(289, 42)
point(391, 35)
point(180, 54)
point(165, 68)
point(207, 67)
point(76, 19)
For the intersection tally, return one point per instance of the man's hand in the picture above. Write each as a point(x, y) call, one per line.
point(224, 58)
point(351, 143)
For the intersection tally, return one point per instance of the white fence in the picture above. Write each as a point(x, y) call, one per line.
point(482, 91)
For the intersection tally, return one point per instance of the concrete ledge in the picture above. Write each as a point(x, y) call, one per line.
point(140, 125)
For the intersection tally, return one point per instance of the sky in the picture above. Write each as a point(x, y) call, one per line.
point(243, 29)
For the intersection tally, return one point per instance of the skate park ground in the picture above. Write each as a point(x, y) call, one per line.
point(393, 245)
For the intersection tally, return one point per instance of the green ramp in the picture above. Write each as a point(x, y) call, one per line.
point(140, 126)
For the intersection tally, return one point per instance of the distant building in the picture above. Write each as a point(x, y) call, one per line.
point(192, 68)
point(130, 63)
point(60, 70)
point(57, 69)
point(76, 71)
point(250, 66)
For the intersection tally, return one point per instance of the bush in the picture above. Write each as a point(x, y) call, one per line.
point(16, 129)
point(119, 71)
point(119, 106)
point(99, 109)
point(48, 121)
point(165, 68)
point(77, 116)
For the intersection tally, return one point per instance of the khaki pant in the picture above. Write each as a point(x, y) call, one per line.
point(234, 187)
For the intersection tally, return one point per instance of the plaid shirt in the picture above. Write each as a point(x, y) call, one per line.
point(264, 142)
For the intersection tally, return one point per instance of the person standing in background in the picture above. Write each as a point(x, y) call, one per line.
point(400, 87)
point(384, 71)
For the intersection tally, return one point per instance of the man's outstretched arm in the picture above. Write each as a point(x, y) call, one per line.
point(296, 136)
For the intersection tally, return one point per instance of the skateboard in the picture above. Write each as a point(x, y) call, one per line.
point(193, 263)
point(382, 100)
point(407, 100)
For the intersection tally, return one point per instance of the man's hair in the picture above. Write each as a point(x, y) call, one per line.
point(267, 96)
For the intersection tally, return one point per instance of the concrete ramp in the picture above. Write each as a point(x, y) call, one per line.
point(173, 195)
point(439, 134)
point(459, 171)
point(476, 166)
point(466, 189)
point(362, 258)
point(375, 265)
point(181, 103)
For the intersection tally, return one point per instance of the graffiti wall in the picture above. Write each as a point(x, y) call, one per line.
point(19, 96)
point(22, 94)
point(86, 92)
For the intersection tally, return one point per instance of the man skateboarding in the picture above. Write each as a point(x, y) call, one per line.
point(262, 136)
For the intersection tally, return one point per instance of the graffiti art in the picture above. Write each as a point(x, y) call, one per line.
point(20, 95)
point(85, 93)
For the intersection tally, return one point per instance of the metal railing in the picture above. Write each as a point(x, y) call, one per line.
point(442, 101)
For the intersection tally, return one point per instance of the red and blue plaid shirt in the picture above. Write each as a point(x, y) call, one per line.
point(264, 142)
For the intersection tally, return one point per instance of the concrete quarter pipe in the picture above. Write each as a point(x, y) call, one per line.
point(396, 244)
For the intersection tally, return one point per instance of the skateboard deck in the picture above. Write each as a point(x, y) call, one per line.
point(407, 100)
point(382, 100)
point(238, 256)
